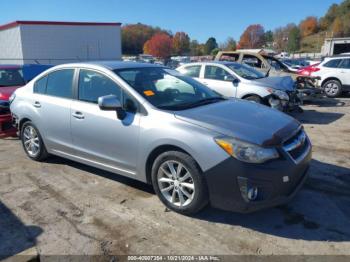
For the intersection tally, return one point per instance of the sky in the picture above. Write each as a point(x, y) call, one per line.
point(201, 19)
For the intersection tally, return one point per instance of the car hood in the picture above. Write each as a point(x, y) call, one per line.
point(284, 83)
point(7, 91)
point(243, 120)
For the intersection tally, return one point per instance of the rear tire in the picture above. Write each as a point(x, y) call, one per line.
point(254, 98)
point(179, 183)
point(332, 88)
point(32, 142)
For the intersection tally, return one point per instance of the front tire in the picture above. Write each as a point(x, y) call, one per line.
point(32, 142)
point(332, 88)
point(179, 183)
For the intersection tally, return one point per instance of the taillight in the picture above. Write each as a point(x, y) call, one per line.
point(307, 71)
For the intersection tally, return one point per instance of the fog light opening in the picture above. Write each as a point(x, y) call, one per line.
point(252, 193)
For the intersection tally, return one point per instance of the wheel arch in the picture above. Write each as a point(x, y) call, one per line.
point(156, 152)
point(329, 79)
point(21, 123)
point(252, 94)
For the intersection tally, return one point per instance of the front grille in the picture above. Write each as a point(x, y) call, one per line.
point(297, 146)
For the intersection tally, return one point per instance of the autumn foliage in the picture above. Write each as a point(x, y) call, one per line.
point(160, 45)
point(308, 26)
point(253, 37)
point(181, 43)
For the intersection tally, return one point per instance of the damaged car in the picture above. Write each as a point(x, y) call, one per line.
point(237, 80)
point(11, 78)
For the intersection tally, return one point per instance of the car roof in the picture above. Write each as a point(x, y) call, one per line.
point(212, 62)
point(112, 65)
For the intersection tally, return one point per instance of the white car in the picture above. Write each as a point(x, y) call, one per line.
point(232, 79)
point(334, 74)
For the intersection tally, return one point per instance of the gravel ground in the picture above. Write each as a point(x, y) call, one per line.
point(61, 207)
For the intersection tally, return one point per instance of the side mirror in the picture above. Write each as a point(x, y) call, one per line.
point(235, 81)
point(112, 103)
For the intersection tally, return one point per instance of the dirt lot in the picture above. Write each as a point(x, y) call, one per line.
point(61, 207)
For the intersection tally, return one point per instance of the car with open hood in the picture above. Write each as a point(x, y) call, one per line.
point(153, 124)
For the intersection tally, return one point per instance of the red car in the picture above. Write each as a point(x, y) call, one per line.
point(11, 78)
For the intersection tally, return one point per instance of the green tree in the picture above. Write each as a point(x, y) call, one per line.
point(293, 40)
point(269, 36)
point(195, 48)
point(210, 45)
point(215, 51)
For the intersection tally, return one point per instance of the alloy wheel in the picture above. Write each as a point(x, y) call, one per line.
point(331, 89)
point(176, 183)
point(31, 141)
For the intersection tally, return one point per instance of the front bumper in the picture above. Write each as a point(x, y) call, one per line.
point(277, 182)
point(6, 127)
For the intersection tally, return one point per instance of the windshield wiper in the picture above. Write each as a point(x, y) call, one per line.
point(201, 102)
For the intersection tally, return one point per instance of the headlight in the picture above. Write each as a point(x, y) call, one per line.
point(12, 97)
point(280, 94)
point(246, 152)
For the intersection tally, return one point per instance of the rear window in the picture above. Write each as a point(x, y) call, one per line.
point(334, 63)
point(11, 77)
point(40, 86)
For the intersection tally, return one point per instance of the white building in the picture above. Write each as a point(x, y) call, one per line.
point(58, 42)
point(336, 46)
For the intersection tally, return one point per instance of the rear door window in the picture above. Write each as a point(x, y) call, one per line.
point(192, 71)
point(60, 83)
point(252, 61)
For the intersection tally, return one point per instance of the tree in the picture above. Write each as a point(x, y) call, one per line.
point(253, 37)
point(293, 40)
point(195, 48)
point(229, 45)
point(134, 36)
point(326, 22)
point(160, 45)
point(181, 43)
point(338, 27)
point(269, 36)
point(210, 45)
point(215, 51)
point(308, 26)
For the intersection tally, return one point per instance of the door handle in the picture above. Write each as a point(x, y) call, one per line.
point(37, 104)
point(78, 115)
point(205, 83)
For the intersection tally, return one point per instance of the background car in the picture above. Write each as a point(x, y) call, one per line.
point(232, 79)
point(333, 73)
point(155, 125)
point(11, 78)
point(264, 63)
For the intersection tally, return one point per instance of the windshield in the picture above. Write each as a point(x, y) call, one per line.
point(245, 71)
point(167, 89)
point(11, 77)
